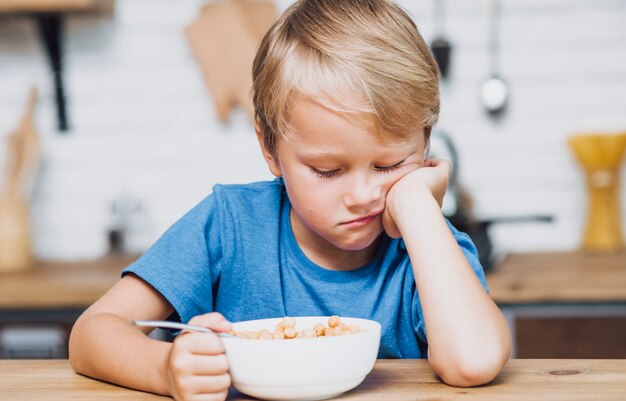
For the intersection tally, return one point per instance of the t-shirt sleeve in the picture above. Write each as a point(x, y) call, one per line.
point(471, 254)
point(183, 265)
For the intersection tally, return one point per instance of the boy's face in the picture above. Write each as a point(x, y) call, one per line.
point(337, 173)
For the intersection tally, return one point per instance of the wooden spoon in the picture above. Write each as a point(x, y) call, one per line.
point(23, 155)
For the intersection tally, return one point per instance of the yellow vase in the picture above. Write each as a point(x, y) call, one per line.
point(601, 155)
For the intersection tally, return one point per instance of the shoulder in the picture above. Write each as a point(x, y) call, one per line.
point(256, 192)
point(250, 188)
point(252, 198)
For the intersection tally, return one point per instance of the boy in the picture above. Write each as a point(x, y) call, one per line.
point(345, 95)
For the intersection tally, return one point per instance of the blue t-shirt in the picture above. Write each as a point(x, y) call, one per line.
point(235, 253)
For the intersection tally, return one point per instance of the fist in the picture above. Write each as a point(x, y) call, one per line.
point(430, 180)
point(197, 368)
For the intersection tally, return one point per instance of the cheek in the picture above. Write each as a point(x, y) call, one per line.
point(389, 180)
point(304, 190)
point(401, 173)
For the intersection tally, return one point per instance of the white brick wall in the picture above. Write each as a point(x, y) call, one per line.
point(144, 126)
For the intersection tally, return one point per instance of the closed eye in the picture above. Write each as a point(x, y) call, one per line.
point(324, 173)
point(388, 169)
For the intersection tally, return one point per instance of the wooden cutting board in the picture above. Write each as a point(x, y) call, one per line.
point(224, 39)
point(12, 6)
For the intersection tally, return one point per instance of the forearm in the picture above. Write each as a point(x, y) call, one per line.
point(137, 362)
point(468, 338)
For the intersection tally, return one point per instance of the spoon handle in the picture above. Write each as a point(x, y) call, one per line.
point(164, 324)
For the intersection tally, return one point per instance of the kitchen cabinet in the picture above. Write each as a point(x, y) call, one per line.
point(48, 298)
point(563, 305)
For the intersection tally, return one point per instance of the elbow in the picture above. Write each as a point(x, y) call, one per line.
point(74, 355)
point(472, 369)
point(471, 374)
point(71, 350)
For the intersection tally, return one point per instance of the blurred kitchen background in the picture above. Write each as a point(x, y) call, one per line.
point(141, 140)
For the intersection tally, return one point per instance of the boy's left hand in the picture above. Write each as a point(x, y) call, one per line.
point(428, 180)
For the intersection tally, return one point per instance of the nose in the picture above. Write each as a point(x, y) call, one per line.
point(362, 190)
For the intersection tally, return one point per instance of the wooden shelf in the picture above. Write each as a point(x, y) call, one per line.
point(23, 6)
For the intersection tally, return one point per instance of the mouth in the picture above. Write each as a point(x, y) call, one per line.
point(364, 219)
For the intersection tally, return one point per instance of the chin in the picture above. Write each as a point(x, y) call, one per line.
point(357, 244)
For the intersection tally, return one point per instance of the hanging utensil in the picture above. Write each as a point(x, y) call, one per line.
point(494, 92)
point(16, 251)
point(23, 155)
point(440, 46)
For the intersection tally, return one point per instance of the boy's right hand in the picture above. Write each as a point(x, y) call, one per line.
point(197, 368)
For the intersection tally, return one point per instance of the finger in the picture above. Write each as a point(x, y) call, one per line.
point(435, 162)
point(199, 365)
point(190, 394)
point(390, 226)
point(221, 396)
point(200, 343)
point(432, 162)
point(214, 320)
point(209, 365)
point(209, 384)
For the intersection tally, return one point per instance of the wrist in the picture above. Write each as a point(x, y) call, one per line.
point(410, 200)
point(418, 209)
point(162, 379)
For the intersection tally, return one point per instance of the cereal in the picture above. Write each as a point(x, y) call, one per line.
point(278, 335)
point(333, 321)
point(265, 335)
point(290, 332)
point(286, 329)
point(320, 330)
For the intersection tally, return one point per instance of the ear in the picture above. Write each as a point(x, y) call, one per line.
point(270, 158)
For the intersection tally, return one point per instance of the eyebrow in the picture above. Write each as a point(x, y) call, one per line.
point(320, 153)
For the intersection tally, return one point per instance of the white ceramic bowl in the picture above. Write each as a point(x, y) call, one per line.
point(303, 368)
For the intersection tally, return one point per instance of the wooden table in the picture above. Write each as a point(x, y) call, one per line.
point(393, 380)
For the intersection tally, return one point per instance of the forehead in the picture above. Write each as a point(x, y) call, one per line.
point(320, 120)
point(319, 129)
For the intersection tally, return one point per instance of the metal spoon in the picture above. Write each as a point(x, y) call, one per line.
point(164, 324)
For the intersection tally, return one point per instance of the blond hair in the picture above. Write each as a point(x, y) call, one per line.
point(332, 49)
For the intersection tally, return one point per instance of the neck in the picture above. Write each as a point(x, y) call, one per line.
point(328, 256)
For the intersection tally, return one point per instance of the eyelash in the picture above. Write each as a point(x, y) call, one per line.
point(388, 169)
point(332, 173)
point(324, 174)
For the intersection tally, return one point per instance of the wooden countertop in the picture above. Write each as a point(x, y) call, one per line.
point(392, 380)
point(567, 277)
point(521, 278)
point(50, 285)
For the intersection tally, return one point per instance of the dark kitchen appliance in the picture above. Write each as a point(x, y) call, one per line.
point(461, 215)
point(440, 46)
